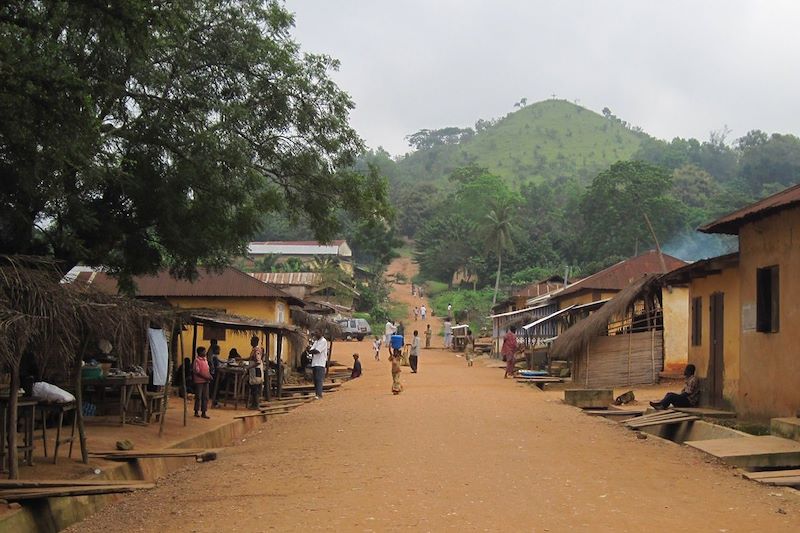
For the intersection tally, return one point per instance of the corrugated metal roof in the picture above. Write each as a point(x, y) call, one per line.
point(299, 248)
point(617, 277)
point(288, 278)
point(731, 223)
point(229, 282)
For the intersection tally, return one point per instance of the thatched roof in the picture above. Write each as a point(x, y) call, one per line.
point(315, 323)
point(575, 339)
point(55, 322)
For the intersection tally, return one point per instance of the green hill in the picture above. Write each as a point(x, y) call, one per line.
point(541, 141)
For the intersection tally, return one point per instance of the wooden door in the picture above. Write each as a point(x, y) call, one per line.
point(716, 360)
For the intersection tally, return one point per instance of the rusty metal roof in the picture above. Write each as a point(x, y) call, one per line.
point(617, 277)
point(731, 222)
point(230, 282)
point(309, 279)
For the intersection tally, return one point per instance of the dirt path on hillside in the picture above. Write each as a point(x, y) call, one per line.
point(460, 449)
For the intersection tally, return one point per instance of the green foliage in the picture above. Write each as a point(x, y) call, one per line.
point(614, 207)
point(433, 288)
point(468, 306)
point(769, 164)
point(539, 142)
point(148, 133)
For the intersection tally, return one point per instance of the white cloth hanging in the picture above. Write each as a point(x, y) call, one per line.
point(160, 354)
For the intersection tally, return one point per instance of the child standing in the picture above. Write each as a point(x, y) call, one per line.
point(469, 350)
point(397, 387)
point(201, 377)
point(376, 345)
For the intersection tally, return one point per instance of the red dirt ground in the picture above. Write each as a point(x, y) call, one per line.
point(460, 449)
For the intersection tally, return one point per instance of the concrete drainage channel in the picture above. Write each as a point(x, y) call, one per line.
point(767, 459)
point(55, 514)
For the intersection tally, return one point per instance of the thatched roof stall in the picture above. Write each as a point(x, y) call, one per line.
point(250, 326)
point(48, 326)
point(619, 344)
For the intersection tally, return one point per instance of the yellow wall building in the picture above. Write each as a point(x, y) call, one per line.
point(713, 286)
point(769, 289)
point(229, 291)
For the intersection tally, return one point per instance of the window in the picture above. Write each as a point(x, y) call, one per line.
point(767, 301)
point(697, 320)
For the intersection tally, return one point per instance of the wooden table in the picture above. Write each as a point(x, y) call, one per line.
point(26, 409)
point(58, 408)
point(127, 385)
point(239, 376)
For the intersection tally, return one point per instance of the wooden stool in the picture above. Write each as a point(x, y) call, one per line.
point(58, 408)
point(26, 413)
point(155, 407)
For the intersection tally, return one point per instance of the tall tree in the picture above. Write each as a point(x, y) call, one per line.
point(143, 134)
point(612, 210)
point(498, 228)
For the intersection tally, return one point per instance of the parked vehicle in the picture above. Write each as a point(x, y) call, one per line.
point(354, 328)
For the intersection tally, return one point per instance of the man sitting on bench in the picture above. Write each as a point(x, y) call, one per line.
point(688, 397)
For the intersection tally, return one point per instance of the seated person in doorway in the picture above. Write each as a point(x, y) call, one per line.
point(688, 397)
point(177, 380)
point(233, 355)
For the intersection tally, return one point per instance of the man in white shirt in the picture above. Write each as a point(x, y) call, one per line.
point(423, 311)
point(413, 358)
point(390, 330)
point(319, 361)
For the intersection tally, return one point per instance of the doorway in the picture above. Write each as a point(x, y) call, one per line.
point(716, 359)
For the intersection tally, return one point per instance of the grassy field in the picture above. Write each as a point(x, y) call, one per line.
point(542, 141)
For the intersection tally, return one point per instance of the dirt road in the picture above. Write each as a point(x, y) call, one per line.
point(460, 449)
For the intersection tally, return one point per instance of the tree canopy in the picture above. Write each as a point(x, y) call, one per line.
point(143, 134)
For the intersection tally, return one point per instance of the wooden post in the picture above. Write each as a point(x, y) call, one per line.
point(11, 420)
point(587, 363)
point(183, 381)
point(165, 401)
point(630, 340)
point(652, 354)
point(279, 358)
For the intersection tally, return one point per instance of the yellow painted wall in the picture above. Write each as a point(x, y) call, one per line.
point(583, 297)
point(676, 326)
point(266, 309)
point(770, 362)
point(727, 282)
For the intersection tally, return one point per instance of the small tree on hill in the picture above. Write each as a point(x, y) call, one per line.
point(498, 228)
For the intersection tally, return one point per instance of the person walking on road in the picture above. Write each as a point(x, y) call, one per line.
point(413, 358)
point(319, 362)
point(255, 373)
point(397, 387)
point(416, 313)
point(423, 312)
point(448, 333)
point(428, 335)
point(376, 345)
point(469, 350)
point(389, 330)
point(509, 351)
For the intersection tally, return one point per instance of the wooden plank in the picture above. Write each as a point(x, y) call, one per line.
point(781, 481)
point(793, 472)
point(752, 452)
point(43, 483)
point(645, 419)
point(662, 422)
point(52, 492)
point(612, 413)
point(706, 412)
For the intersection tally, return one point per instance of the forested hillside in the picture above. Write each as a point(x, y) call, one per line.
point(539, 142)
point(571, 187)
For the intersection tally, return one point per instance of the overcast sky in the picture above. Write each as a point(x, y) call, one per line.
point(674, 68)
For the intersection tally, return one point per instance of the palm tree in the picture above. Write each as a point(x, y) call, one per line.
point(497, 229)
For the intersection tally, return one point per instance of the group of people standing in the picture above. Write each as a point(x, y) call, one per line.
point(204, 373)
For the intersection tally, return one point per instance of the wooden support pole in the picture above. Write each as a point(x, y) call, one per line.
point(183, 380)
point(11, 421)
point(278, 358)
